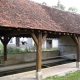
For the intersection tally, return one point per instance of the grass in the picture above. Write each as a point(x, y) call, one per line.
point(14, 50)
point(69, 76)
point(51, 49)
point(1, 49)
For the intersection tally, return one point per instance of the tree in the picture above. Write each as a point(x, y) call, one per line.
point(44, 3)
point(62, 7)
point(73, 9)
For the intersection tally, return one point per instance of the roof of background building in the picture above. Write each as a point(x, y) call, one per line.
point(28, 14)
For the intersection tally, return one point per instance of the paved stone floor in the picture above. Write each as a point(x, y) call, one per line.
point(51, 71)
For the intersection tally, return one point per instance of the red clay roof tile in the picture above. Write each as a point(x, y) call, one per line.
point(28, 14)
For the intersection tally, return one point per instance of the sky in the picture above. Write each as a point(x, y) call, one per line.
point(66, 3)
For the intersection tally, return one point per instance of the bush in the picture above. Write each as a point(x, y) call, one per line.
point(11, 50)
point(14, 50)
point(55, 48)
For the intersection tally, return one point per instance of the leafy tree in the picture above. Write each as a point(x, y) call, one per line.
point(62, 7)
point(73, 9)
point(44, 3)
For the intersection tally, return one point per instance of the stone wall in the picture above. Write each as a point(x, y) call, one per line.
point(20, 58)
point(67, 47)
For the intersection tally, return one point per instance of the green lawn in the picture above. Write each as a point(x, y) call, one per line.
point(69, 76)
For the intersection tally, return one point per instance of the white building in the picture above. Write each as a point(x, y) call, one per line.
point(48, 43)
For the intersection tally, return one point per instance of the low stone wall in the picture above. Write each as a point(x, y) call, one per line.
point(20, 58)
point(1, 59)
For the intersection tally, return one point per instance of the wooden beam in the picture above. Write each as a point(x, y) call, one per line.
point(71, 34)
point(12, 33)
point(5, 41)
point(64, 33)
point(1, 40)
point(9, 39)
point(50, 32)
point(45, 31)
point(32, 30)
point(34, 38)
point(75, 39)
point(18, 29)
point(44, 37)
point(55, 33)
point(38, 30)
point(25, 30)
point(59, 33)
point(67, 33)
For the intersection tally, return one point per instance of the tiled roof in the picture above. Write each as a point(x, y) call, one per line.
point(28, 14)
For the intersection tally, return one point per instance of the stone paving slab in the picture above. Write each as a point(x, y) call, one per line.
point(51, 71)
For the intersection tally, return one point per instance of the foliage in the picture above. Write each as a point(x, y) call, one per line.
point(73, 9)
point(69, 76)
point(14, 50)
point(55, 48)
point(44, 3)
point(62, 7)
point(44, 49)
point(1, 49)
point(32, 50)
point(51, 49)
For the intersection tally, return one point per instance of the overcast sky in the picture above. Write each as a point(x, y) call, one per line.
point(66, 3)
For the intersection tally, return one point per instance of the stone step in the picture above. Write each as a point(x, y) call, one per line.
point(25, 65)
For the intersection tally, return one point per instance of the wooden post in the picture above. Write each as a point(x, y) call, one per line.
point(5, 42)
point(5, 48)
point(17, 42)
point(5, 52)
point(39, 57)
point(77, 41)
point(39, 53)
point(78, 53)
point(38, 40)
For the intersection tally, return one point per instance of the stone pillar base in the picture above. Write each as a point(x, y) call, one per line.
point(39, 75)
point(77, 64)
